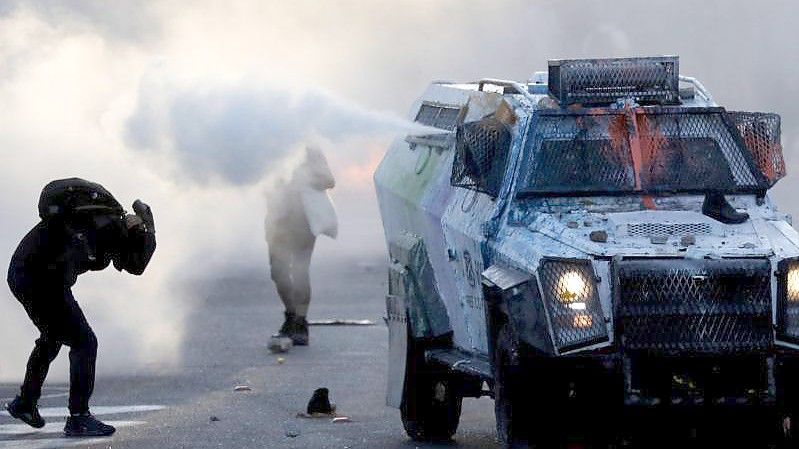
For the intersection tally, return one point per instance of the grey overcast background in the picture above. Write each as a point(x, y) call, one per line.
point(189, 105)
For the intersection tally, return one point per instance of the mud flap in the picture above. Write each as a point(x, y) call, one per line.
point(397, 348)
point(414, 308)
point(411, 276)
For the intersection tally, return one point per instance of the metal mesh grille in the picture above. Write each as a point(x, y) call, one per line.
point(760, 133)
point(576, 153)
point(603, 81)
point(570, 293)
point(691, 151)
point(481, 151)
point(672, 150)
point(437, 116)
point(694, 305)
point(650, 229)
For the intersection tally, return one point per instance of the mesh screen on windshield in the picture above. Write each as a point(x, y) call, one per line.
point(691, 151)
point(661, 150)
point(582, 153)
point(689, 163)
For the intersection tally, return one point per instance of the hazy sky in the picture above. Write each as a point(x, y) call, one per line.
point(187, 105)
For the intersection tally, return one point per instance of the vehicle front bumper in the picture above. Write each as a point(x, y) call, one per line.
point(766, 378)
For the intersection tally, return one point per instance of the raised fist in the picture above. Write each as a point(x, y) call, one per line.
point(145, 213)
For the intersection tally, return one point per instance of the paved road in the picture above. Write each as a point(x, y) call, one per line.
point(228, 328)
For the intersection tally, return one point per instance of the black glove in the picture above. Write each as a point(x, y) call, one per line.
point(146, 214)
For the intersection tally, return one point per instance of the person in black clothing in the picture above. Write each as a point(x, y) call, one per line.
point(83, 228)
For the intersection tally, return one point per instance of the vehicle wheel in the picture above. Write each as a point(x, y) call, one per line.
point(512, 395)
point(431, 402)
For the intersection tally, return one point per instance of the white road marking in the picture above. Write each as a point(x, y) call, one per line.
point(22, 436)
point(51, 443)
point(56, 427)
point(54, 412)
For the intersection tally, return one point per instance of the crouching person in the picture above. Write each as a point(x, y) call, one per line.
point(82, 228)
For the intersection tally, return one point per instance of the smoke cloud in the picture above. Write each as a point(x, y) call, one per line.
point(188, 108)
point(237, 133)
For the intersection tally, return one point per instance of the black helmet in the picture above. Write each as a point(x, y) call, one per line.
point(74, 196)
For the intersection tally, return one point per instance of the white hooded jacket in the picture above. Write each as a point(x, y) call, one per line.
point(302, 204)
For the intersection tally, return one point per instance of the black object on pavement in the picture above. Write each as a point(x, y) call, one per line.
point(27, 413)
point(320, 402)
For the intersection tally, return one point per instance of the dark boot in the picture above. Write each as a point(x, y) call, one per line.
point(87, 426)
point(27, 413)
point(288, 325)
point(299, 334)
point(717, 208)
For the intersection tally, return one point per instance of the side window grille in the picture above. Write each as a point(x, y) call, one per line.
point(442, 117)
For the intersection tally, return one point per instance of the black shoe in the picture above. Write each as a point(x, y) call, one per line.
point(717, 208)
point(29, 414)
point(299, 333)
point(320, 402)
point(87, 426)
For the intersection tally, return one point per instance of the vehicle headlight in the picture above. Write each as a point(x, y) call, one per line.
point(572, 288)
point(792, 284)
point(570, 291)
point(788, 300)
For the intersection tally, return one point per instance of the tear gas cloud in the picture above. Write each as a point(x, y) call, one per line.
point(237, 133)
point(189, 108)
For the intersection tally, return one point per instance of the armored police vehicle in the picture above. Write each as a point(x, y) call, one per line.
point(597, 239)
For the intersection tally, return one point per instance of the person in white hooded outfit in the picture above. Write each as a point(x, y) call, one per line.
point(298, 210)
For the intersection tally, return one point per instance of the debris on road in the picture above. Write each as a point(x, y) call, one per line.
point(292, 433)
point(242, 388)
point(213, 419)
point(320, 402)
point(317, 415)
point(281, 360)
point(341, 322)
point(340, 419)
point(280, 344)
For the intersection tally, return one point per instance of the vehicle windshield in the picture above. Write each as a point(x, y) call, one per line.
point(650, 151)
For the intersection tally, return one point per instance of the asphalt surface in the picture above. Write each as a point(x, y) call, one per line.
point(225, 346)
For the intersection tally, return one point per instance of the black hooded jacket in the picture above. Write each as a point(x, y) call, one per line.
point(56, 251)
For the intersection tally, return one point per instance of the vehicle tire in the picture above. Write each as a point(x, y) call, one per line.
point(431, 401)
point(513, 403)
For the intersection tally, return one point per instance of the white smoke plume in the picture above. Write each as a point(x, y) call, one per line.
point(238, 132)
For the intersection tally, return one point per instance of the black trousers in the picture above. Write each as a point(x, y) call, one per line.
point(60, 320)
